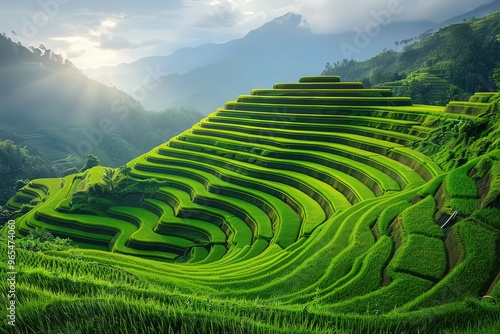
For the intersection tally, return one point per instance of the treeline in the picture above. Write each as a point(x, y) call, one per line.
point(14, 52)
point(17, 163)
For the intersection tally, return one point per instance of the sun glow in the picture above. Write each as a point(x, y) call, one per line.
point(110, 23)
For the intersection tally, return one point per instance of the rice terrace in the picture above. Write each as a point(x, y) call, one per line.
point(317, 206)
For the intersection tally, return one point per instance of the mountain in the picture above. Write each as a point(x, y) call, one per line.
point(50, 104)
point(60, 116)
point(479, 12)
point(449, 64)
point(206, 76)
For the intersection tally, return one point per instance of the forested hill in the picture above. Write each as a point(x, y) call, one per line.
point(440, 66)
point(52, 114)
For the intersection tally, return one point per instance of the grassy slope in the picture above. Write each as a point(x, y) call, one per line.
point(380, 264)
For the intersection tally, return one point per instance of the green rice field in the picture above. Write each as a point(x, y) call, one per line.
point(303, 208)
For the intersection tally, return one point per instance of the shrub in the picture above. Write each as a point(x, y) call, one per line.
point(21, 183)
point(35, 201)
point(90, 161)
point(432, 186)
point(36, 245)
point(69, 171)
point(39, 240)
point(25, 208)
point(5, 216)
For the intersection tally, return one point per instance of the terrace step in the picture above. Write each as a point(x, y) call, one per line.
point(318, 85)
point(482, 97)
point(266, 101)
point(293, 197)
point(399, 172)
point(320, 78)
point(339, 100)
point(330, 164)
point(336, 178)
point(263, 196)
point(467, 108)
point(198, 231)
point(394, 133)
point(359, 93)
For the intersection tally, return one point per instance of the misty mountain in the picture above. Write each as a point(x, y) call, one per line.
point(207, 76)
point(481, 11)
point(51, 107)
point(452, 63)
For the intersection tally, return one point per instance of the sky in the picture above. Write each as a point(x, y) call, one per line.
point(94, 33)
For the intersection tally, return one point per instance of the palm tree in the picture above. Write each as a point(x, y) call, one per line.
point(109, 178)
point(125, 170)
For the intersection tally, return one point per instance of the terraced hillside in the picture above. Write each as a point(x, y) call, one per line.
point(433, 86)
point(308, 207)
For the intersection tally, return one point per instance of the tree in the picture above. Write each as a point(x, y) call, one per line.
point(125, 170)
point(17, 163)
point(328, 69)
point(72, 170)
point(90, 161)
point(5, 215)
point(496, 76)
point(40, 240)
point(366, 82)
point(420, 92)
point(109, 179)
point(21, 183)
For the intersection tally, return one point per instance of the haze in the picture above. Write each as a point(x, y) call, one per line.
point(97, 33)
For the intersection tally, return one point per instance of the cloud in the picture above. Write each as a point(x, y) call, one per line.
point(337, 16)
point(125, 30)
point(212, 14)
point(75, 54)
point(116, 42)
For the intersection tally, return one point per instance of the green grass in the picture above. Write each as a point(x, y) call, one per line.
point(490, 216)
point(479, 255)
point(389, 214)
point(492, 198)
point(421, 256)
point(300, 209)
point(465, 206)
point(460, 185)
point(419, 219)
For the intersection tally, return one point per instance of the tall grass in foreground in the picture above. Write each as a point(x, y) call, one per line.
point(119, 315)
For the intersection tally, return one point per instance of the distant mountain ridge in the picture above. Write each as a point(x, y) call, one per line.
point(449, 64)
point(199, 77)
point(61, 116)
point(476, 13)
